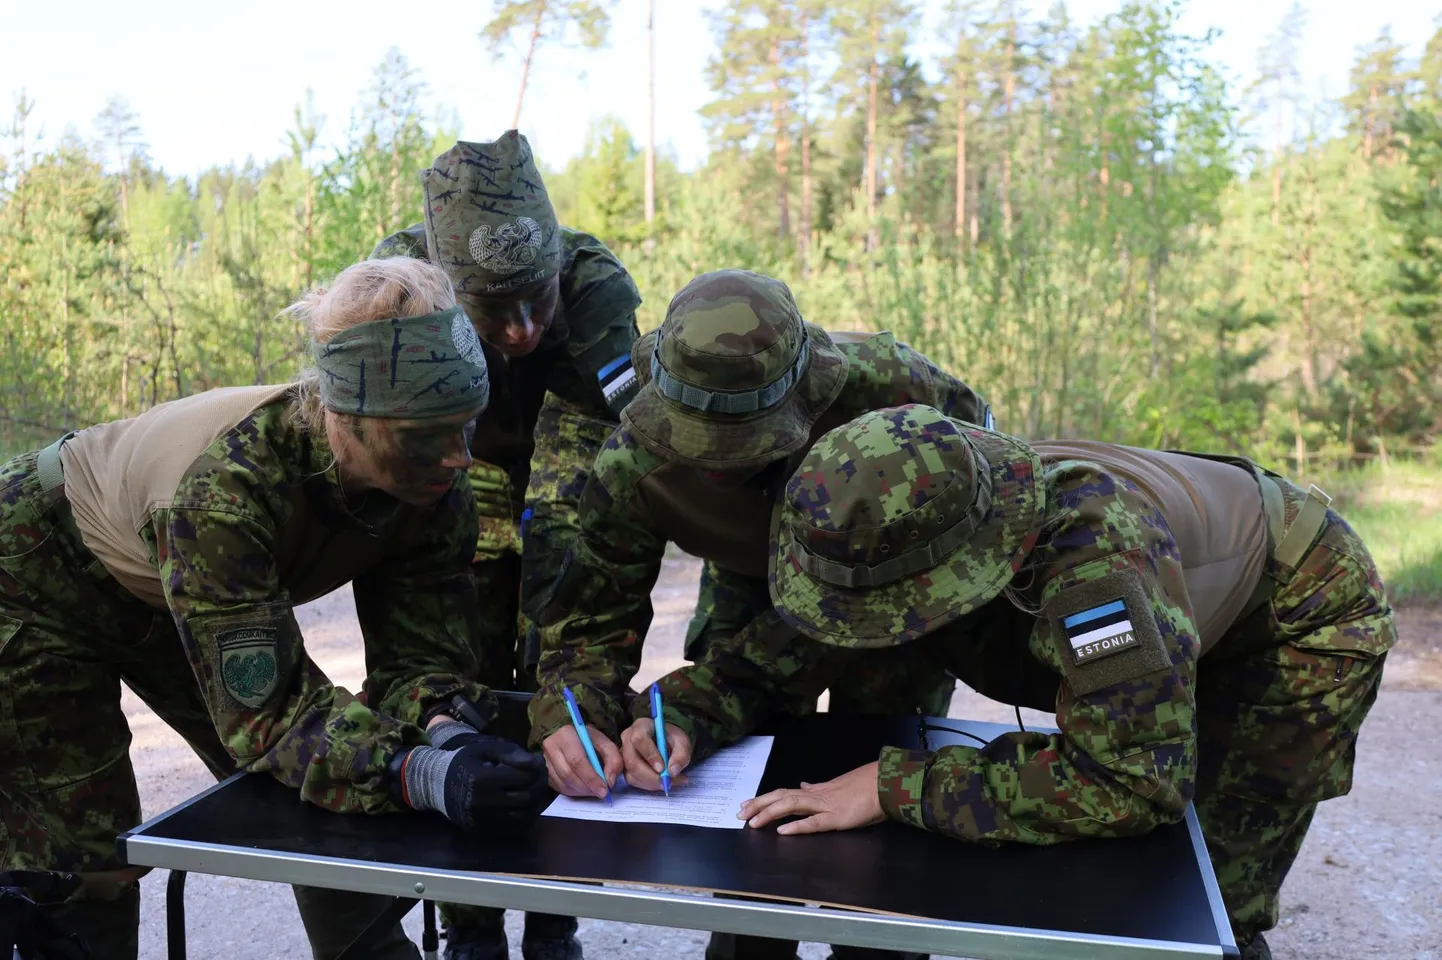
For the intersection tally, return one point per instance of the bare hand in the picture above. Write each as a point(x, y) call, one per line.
point(569, 769)
point(848, 802)
point(643, 759)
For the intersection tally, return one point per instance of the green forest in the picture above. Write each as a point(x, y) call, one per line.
point(1076, 218)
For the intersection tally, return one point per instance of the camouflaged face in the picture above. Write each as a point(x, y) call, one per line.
point(489, 222)
point(734, 377)
point(900, 522)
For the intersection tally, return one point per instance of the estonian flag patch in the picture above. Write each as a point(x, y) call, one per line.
point(616, 378)
point(1099, 631)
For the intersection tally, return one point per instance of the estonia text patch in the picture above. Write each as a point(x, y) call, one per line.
point(1099, 631)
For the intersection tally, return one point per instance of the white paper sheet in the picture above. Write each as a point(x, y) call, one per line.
point(717, 788)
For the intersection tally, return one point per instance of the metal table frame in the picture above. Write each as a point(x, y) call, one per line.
point(409, 884)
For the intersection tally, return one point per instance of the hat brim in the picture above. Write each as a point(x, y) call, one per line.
point(729, 441)
point(915, 605)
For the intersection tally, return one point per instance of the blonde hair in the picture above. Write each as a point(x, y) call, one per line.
point(365, 291)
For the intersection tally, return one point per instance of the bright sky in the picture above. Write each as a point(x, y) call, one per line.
point(217, 82)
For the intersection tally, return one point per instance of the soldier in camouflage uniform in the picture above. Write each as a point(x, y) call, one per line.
point(736, 387)
point(556, 312)
point(1203, 629)
point(168, 551)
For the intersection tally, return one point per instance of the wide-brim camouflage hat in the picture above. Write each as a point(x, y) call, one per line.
point(734, 378)
point(899, 523)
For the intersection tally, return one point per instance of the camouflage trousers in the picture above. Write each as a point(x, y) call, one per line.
point(1280, 701)
point(69, 635)
point(729, 601)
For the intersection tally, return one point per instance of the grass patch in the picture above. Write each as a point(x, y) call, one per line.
point(1397, 509)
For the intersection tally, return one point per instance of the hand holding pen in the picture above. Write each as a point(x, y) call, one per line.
point(581, 761)
point(642, 746)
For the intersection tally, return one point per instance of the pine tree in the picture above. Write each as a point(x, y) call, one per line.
point(541, 21)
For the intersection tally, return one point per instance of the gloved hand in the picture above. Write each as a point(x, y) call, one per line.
point(486, 783)
point(451, 734)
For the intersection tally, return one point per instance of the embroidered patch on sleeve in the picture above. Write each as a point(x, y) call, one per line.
point(248, 662)
point(250, 656)
point(618, 381)
point(1100, 631)
point(1106, 632)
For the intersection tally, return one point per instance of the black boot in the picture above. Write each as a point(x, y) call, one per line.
point(1257, 949)
point(481, 942)
point(736, 946)
point(550, 937)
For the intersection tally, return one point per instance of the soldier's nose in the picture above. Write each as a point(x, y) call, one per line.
point(521, 330)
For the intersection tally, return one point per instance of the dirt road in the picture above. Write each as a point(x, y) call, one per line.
point(1368, 883)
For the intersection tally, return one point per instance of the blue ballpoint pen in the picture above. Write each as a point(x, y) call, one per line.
point(656, 718)
point(574, 710)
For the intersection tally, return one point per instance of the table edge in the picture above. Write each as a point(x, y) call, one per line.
point(649, 906)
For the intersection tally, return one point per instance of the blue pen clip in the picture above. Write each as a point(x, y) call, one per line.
point(574, 709)
point(660, 724)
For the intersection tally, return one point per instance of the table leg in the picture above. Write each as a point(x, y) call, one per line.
point(175, 915)
point(430, 940)
point(392, 914)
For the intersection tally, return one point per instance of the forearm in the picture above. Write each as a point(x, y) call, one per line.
point(591, 633)
point(762, 671)
point(1119, 766)
point(568, 438)
point(335, 751)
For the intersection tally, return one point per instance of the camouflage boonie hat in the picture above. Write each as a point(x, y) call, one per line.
point(489, 222)
point(900, 522)
point(734, 378)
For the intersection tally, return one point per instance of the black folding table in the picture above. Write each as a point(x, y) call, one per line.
point(889, 885)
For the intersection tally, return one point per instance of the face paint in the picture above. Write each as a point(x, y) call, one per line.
point(515, 324)
point(415, 461)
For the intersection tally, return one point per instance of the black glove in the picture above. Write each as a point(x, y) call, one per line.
point(485, 784)
point(451, 734)
point(25, 928)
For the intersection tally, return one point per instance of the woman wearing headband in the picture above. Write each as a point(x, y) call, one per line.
point(169, 550)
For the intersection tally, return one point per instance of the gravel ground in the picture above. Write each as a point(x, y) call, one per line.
point(1368, 883)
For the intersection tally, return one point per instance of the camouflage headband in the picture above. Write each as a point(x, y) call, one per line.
point(405, 367)
point(729, 401)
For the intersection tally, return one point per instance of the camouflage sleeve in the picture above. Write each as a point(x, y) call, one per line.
point(599, 609)
point(600, 300)
point(568, 438)
point(1116, 624)
point(410, 242)
point(273, 708)
point(884, 372)
point(764, 670)
point(947, 393)
point(419, 616)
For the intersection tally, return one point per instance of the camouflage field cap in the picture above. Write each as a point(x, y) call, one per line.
point(734, 377)
point(900, 522)
point(489, 222)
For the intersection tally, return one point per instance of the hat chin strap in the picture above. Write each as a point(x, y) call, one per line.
point(729, 401)
point(923, 557)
